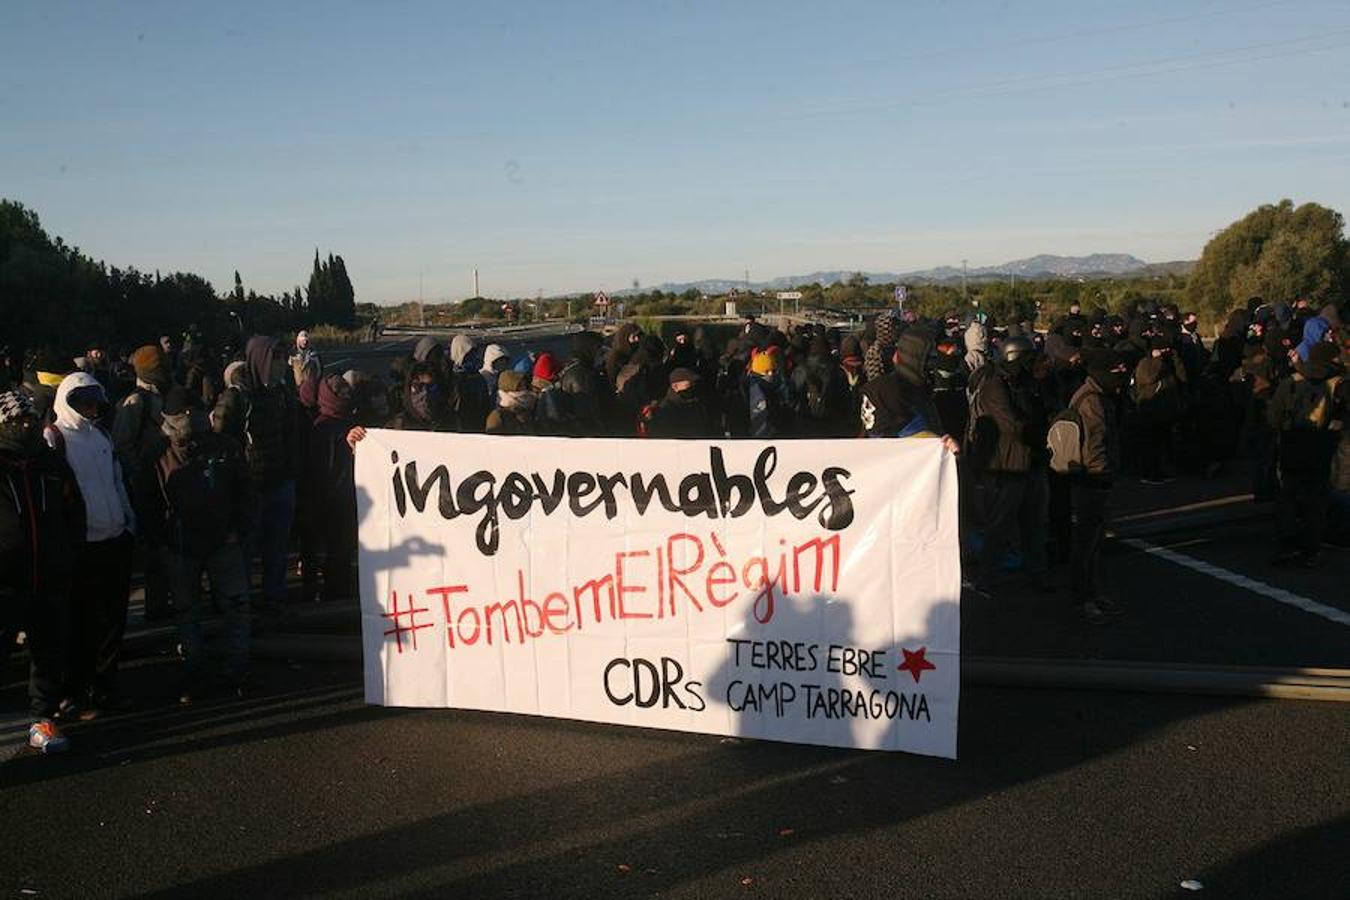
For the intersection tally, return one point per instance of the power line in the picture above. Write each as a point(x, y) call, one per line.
point(1159, 66)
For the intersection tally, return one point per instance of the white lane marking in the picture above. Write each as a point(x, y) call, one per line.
point(1279, 595)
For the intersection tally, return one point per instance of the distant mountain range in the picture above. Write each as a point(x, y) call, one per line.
point(1097, 265)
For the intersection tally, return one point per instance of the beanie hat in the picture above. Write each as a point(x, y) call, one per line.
point(14, 405)
point(849, 348)
point(148, 362)
point(546, 367)
point(765, 362)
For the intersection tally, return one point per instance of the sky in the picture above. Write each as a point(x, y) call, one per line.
point(569, 147)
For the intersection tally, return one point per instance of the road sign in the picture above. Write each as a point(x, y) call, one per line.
point(901, 292)
point(601, 298)
point(789, 295)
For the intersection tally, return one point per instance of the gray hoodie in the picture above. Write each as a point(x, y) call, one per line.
point(977, 346)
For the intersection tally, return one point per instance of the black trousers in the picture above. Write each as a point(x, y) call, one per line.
point(1090, 505)
point(1301, 509)
point(46, 627)
point(333, 539)
point(98, 617)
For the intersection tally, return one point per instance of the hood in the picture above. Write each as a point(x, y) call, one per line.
point(977, 337)
point(460, 348)
point(912, 355)
point(335, 398)
point(1314, 332)
point(66, 416)
point(425, 347)
point(258, 354)
point(493, 353)
point(585, 346)
point(235, 373)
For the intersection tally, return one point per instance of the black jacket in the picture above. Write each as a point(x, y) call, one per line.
point(41, 521)
point(681, 415)
point(1101, 431)
point(1007, 423)
point(893, 406)
point(194, 498)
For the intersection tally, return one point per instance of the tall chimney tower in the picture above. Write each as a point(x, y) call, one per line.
point(475, 284)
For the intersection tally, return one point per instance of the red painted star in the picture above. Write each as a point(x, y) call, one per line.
point(915, 663)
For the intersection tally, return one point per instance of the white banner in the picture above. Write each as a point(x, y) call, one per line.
point(803, 591)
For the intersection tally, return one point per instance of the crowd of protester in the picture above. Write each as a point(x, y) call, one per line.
point(204, 462)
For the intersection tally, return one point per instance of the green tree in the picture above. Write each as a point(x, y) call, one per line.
point(1277, 252)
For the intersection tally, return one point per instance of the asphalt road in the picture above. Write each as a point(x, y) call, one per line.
point(302, 790)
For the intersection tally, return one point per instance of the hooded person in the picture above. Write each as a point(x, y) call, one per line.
point(135, 434)
point(41, 521)
point(621, 349)
point(1315, 331)
point(900, 404)
point(1158, 392)
point(199, 499)
point(950, 380)
point(878, 356)
point(642, 382)
point(424, 406)
point(977, 346)
point(1308, 412)
point(495, 361)
point(682, 413)
point(263, 417)
point(580, 381)
point(553, 407)
point(1137, 344)
point(823, 407)
point(768, 396)
point(472, 400)
point(1097, 406)
point(135, 429)
point(330, 470)
point(303, 357)
point(1005, 450)
point(102, 571)
point(514, 413)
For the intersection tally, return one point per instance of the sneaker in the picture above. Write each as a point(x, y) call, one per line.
point(1151, 480)
point(1094, 614)
point(45, 737)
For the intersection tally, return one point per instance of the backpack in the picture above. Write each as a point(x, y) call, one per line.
point(1065, 442)
point(1311, 409)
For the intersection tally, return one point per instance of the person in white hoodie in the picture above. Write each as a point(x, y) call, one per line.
point(102, 570)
